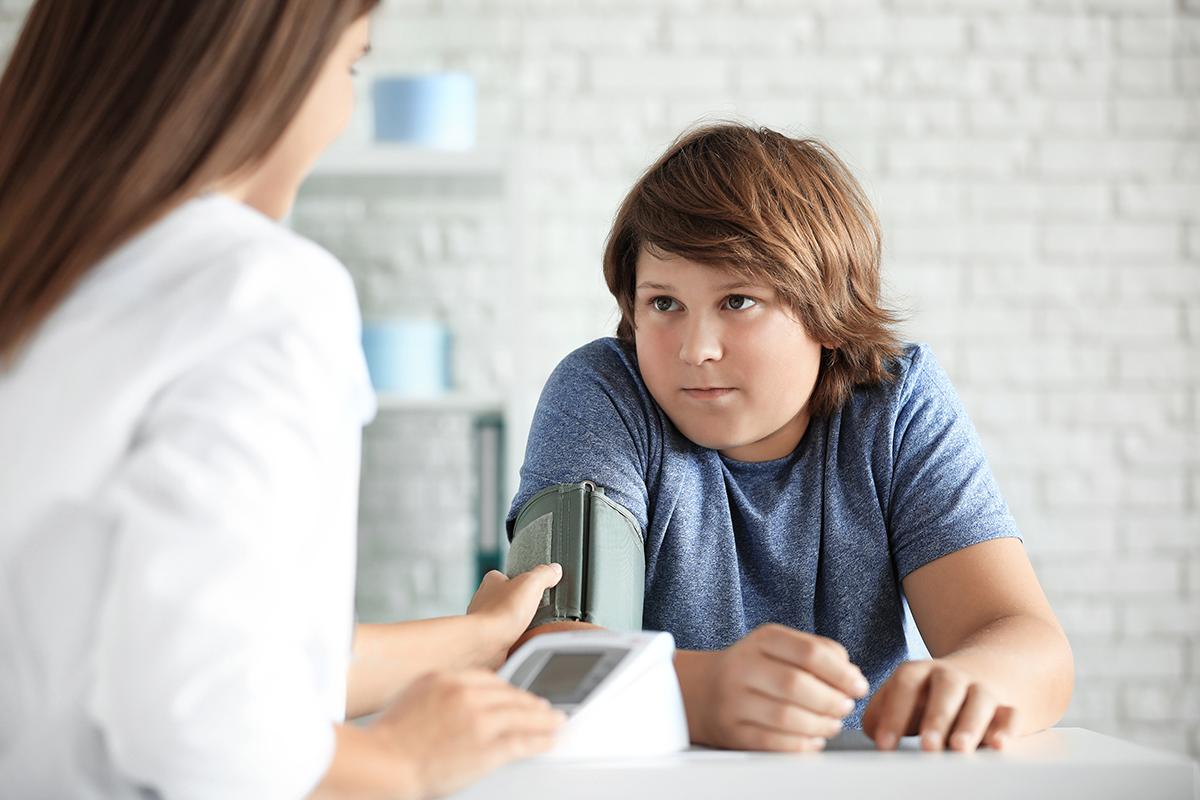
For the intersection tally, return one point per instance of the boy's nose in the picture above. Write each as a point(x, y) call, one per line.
point(700, 343)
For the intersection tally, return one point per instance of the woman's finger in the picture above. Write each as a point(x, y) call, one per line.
point(499, 692)
point(481, 684)
point(544, 575)
point(523, 745)
point(502, 750)
point(508, 720)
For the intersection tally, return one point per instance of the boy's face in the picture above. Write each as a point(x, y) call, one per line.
point(725, 360)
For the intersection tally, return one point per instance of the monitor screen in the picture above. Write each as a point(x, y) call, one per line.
point(561, 675)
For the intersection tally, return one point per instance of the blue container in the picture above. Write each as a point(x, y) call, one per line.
point(436, 110)
point(408, 357)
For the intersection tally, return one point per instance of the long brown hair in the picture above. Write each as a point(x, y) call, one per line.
point(782, 211)
point(115, 112)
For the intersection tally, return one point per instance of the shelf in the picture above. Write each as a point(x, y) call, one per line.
point(453, 401)
point(404, 160)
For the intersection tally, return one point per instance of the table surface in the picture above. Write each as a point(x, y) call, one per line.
point(1058, 763)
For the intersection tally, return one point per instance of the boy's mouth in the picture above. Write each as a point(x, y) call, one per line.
point(707, 392)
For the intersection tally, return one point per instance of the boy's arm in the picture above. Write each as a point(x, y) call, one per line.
point(552, 627)
point(1001, 664)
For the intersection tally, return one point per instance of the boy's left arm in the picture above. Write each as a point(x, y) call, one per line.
point(1001, 663)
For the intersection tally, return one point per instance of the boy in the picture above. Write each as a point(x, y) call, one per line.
point(796, 471)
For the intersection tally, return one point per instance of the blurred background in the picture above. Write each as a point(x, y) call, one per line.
point(1035, 163)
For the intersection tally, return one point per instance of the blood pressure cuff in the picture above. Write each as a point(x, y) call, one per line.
point(600, 547)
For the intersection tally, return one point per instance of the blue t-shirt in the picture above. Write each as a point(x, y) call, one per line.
point(818, 540)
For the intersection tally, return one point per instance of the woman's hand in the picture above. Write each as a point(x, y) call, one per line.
point(506, 606)
point(452, 728)
point(942, 703)
point(776, 689)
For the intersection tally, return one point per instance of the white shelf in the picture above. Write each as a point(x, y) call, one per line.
point(452, 401)
point(401, 160)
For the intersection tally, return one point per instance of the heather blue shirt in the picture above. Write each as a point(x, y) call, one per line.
point(818, 540)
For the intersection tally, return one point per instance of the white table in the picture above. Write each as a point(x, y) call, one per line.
point(1058, 763)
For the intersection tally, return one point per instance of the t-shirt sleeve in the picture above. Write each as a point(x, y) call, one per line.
point(943, 495)
point(592, 423)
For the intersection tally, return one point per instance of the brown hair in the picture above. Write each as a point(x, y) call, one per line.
point(116, 112)
point(785, 212)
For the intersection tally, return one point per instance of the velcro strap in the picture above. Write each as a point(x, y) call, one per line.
point(600, 547)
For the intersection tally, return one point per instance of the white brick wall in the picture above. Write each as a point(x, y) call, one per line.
point(1036, 164)
point(417, 531)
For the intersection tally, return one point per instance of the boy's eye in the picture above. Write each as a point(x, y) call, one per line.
point(663, 303)
point(737, 302)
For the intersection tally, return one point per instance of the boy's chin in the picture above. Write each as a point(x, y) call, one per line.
point(738, 448)
point(713, 440)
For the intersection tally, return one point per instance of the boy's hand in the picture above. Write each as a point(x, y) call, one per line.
point(776, 689)
point(506, 607)
point(454, 727)
point(943, 704)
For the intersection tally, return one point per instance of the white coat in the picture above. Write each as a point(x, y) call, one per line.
point(179, 456)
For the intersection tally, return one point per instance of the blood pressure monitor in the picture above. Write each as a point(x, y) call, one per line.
point(619, 691)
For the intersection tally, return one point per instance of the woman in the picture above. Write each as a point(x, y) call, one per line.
point(181, 400)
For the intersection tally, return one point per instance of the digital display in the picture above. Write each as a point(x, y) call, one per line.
point(561, 675)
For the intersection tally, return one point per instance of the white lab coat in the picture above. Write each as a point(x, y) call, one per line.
point(179, 455)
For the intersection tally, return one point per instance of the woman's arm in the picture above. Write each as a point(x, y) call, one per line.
point(1001, 664)
point(388, 657)
point(444, 732)
point(364, 767)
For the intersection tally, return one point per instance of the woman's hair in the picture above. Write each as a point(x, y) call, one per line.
point(774, 210)
point(116, 112)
